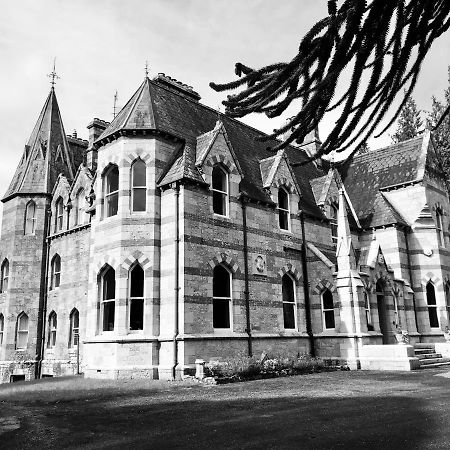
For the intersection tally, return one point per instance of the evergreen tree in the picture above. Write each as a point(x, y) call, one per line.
point(441, 135)
point(409, 123)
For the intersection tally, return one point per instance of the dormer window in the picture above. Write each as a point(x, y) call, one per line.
point(111, 191)
point(440, 228)
point(220, 191)
point(283, 209)
point(59, 215)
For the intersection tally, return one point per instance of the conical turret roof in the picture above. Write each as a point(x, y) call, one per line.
point(46, 154)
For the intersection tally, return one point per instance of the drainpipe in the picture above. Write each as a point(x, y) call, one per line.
point(176, 187)
point(44, 293)
point(408, 256)
point(247, 290)
point(306, 287)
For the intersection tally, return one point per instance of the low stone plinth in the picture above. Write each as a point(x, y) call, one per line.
point(443, 348)
point(388, 357)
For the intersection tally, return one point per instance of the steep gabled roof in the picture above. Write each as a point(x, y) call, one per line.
point(47, 154)
point(167, 109)
point(366, 174)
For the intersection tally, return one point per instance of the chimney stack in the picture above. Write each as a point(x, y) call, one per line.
point(96, 128)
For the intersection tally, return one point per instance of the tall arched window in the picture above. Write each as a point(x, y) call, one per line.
point(4, 276)
point(108, 299)
point(221, 297)
point(447, 302)
point(432, 306)
point(30, 218)
point(55, 272)
point(137, 298)
point(334, 223)
point(440, 228)
point(328, 310)
point(59, 215)
point(220, 191)
point(2, 327)
point(368, 311)
point(283, 209)
point(22, 331)
point(288, 293)
point(139, 186)
point(74, 330)
point(111, 191)
point(80, 215)
point(52, 325)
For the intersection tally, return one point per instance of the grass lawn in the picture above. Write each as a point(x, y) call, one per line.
point(347, 410)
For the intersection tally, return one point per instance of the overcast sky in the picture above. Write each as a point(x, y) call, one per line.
point(102, 46)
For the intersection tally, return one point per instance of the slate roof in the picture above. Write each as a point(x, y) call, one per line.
point(47, 154)
point(366, 174)
point(158, 105)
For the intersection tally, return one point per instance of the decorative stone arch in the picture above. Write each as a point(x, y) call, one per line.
point(430, 277)
point(223, 160)
point(291, 270)
point(368, 285)
point(226, 260)
point(106, 261)
point(128, 160)
point(383, 277)
point(136, 257)
point(323, 285)
point(284, 182)
point(113, 161)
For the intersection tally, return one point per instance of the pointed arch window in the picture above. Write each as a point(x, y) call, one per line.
point(30, 218)
point(139, 186)
point(328, 310)
point(55, 272)
point(432, 306)
point(447, 302)
point(80, 215)
point(221, 297)
point(111, 191)
point(283, 209)
point(4, 276)
point(108, 299)
point(2, 328)
point(368, 310)
point(220, 190)
point(440, 228)
point(59, 215)
point(289, 310)
point(136, 298)
point(22, 331)
point(74, 330)
point(52, 326)
point(334, 223)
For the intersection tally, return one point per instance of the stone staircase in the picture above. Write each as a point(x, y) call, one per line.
point(426, 352)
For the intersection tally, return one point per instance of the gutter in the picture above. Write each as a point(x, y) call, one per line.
point(306, 286)
point(246, 275)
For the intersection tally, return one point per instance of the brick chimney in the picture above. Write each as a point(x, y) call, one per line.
point(96, 128)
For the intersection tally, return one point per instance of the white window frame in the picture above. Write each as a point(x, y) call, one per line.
point(74, 331)
point(440, 228)
point(22, 331)
point(225, 194)
point(325, 310)
point(80, 213)
point(131, 299)
point(30, 220)
point(431, 306)
point(138, 187)
point(230, 302)
point(52, 328)
point(285, 211)
point(104, 301)
point(2, 327)
point(368, 309)
point(293, 303)
point(4, 282)
point(59, 215)
point(55, 274)
point(334, 211)
point(109, 195)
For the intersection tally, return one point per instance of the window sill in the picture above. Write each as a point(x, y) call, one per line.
point(219, 216)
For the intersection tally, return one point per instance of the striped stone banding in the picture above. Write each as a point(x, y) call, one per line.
point(106, 261)
point(222, 159)
point(225, 259)
point(138, 257)
point(290, 269)
point(322, 285)
point(430, 277)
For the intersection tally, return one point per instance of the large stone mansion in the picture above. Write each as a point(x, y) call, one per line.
point(174, 234)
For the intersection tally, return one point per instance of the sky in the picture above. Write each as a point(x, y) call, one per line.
point(102, 46)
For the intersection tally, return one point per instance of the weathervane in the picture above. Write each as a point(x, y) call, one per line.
point(146, 69)
point(115, 104)
point(53, 75)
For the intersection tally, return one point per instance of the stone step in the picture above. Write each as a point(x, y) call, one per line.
point(428, 356)
point(431, 361)
point(430, 366)
point(423, 351)
point(424, 345)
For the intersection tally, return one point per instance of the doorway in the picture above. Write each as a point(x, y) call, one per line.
point(382, 312)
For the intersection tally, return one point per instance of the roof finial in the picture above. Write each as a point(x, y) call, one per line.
point(146, 69)
point(53, 75)
point(115, 104)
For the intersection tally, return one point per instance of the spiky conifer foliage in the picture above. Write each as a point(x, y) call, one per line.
point(384, 41)
point(409, 123)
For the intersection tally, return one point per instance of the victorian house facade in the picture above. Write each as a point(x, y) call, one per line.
point(173, 234)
